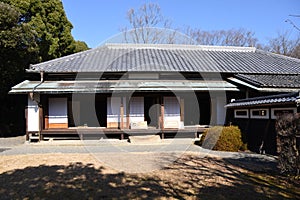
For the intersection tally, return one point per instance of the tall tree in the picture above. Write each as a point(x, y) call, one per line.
point(31, 31)
point(283, 45)
point(80, 46)
point(49, 20)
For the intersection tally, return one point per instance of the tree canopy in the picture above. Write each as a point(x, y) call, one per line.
point(31, 31)
point(50, 24)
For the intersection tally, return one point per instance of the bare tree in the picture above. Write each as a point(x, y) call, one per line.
point(285, 46)
point(148, 25)
point(232, 37)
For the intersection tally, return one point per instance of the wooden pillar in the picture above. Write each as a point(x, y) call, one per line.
point(162, 114)
point(46, 113)
point(157, 113)
point(127, 113)
point(26, 119)
point(122, 114)
point(182, 110)
point(40, 122)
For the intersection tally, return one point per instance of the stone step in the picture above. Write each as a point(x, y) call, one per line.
point(145, 139)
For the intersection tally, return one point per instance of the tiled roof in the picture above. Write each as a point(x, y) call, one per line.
point(266, 100)
point(180, 58)
point(271, 80)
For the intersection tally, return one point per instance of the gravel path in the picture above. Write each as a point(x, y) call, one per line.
point(123, 156)
point(11, 141)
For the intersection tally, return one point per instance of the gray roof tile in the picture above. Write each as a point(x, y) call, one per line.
point(271, 80)
point(181, 58)
point(265, 100)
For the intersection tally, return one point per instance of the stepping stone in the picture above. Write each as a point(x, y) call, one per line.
point(145, 139)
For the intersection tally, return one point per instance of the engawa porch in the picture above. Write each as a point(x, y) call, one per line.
point(97, 133)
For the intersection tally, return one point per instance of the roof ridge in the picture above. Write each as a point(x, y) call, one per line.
point(179, 46)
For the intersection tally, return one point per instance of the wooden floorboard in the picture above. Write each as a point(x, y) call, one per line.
point(118, 131)
point(123, 133)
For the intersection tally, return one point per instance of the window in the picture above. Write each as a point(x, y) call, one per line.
point(275, 112)
point(241, 113)
point(260, 113)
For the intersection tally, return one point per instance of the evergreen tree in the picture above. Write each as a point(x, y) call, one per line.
point(31, 31)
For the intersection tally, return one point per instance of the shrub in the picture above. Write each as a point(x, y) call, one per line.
point(228, 138)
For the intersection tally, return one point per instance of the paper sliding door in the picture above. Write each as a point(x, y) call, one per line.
point(58, 113)
point(172, 112)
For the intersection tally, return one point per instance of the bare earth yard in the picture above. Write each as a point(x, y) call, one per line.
point(81, 176)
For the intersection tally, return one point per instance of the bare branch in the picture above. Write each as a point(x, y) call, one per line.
point(148, 25)
point(283, 45)
point(293, 24)
point(232, 37)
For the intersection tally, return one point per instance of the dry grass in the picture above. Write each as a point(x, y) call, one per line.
point(80, 176)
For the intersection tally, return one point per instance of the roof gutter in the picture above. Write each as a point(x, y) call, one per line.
point(31, 94)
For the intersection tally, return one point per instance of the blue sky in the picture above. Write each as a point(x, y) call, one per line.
point(95, 21)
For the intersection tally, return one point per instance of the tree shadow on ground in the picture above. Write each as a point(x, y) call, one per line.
point(75, 181)
point(188, 177)
point(228, 178)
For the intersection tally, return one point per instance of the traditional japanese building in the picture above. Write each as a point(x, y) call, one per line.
point(161, 89)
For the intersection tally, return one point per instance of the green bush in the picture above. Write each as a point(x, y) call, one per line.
point(220, 138)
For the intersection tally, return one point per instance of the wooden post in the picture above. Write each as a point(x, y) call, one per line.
point(181, 110)
point(127, 113)
point(40, 122)
point(46, 122)
point(26, 119)
point(162, 114)
point(122, 114)
point(46, 113)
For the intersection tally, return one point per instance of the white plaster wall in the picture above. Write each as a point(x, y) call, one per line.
point(33, 116)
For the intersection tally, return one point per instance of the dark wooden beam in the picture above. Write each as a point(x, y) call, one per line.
point(162, 114)
point(182, 110)
point(41, 119)
point(26, 118)
point(122, 115)
point(127, 112)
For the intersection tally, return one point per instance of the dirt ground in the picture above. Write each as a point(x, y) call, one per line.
point(81, 176)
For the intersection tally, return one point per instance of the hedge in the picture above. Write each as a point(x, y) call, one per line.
point(223, 138)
